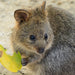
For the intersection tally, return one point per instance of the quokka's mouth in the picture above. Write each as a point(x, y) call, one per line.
point(40, 50)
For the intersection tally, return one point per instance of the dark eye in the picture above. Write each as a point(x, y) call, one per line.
point(45, 36)
point(32, 37)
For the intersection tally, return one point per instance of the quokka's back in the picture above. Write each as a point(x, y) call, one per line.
point(61, 56)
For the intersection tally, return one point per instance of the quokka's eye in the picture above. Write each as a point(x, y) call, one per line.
point(32, 37)
point(45, 36)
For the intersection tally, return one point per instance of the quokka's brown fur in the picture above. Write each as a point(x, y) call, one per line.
point(53, 30)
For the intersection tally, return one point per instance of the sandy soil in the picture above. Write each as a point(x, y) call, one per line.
point(7, 22)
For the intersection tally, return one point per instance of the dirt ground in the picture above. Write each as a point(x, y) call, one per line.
point(7, 21)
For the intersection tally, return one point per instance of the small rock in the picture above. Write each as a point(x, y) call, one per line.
point(72, 2)
point(59, 3)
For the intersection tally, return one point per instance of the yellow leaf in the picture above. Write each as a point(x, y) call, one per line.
point(12, 63)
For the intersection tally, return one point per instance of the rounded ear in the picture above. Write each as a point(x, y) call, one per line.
point(21, 15)
point(43, 6)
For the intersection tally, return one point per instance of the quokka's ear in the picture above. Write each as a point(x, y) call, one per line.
point(43, 6)
point(21, 15)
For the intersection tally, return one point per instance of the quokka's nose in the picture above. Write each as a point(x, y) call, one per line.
point(40, 50)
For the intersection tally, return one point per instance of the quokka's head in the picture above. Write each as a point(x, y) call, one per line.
point(33, 30)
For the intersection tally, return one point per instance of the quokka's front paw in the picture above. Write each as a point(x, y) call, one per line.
point(30, 59)
point(24, 61)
